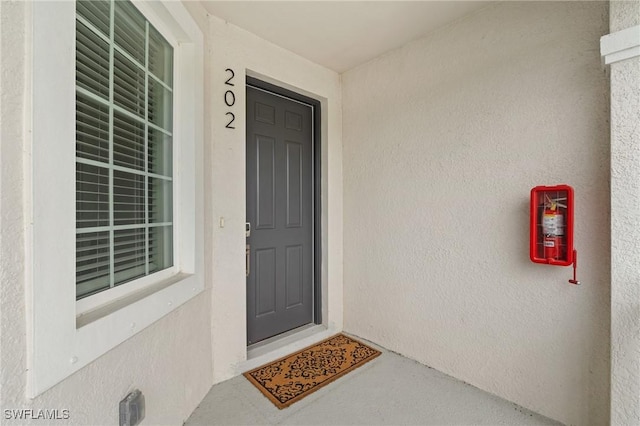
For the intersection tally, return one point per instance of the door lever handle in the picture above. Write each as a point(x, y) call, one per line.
point(248, 261)
point(247, 229)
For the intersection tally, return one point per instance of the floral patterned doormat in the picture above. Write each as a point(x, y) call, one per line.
point(295, 376)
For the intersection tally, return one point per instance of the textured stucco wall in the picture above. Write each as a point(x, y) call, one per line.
point(625, 226)
point(243, 52)
point(443, 140)
point(170, 361)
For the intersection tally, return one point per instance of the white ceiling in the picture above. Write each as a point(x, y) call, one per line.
point(341, 34)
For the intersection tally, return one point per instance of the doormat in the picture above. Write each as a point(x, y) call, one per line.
point(295, 376)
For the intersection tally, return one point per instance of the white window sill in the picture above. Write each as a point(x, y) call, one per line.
point(114, 306)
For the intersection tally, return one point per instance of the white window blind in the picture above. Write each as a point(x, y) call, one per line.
point(124, 144)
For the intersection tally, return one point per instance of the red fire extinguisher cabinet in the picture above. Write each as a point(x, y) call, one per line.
point(551, 225)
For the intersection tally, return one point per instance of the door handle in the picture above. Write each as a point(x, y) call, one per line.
point(248, 261)
point(247, 229)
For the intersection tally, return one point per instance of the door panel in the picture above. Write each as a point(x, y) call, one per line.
point(293, 277)
point(265, 271)
point(294, 185)
point(266, 190)
point(280, 210)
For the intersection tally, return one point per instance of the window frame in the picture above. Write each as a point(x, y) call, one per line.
point(119, 290)
point(65, 334)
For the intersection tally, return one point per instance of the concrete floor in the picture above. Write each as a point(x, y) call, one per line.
point(389, 390)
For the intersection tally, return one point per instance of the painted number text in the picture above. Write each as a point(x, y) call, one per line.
point(230, 99)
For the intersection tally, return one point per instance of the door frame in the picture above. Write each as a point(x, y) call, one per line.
point(317, 183)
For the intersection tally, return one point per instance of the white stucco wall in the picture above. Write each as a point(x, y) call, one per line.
point(175, 360)
point(245, 53)
point(170, 361)
point(625, 226)
point(443, 140)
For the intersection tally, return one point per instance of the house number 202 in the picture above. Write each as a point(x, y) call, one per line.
point(230, 99)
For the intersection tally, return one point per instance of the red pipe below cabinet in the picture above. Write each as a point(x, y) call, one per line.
point(551, 226)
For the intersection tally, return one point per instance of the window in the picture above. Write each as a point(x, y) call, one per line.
point(124, 111)
point(115, 176)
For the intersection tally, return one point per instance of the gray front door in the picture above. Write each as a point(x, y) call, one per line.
point(280, 213)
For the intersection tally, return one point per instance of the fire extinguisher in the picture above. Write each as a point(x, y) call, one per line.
point(553, 230)
point(551, 227)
